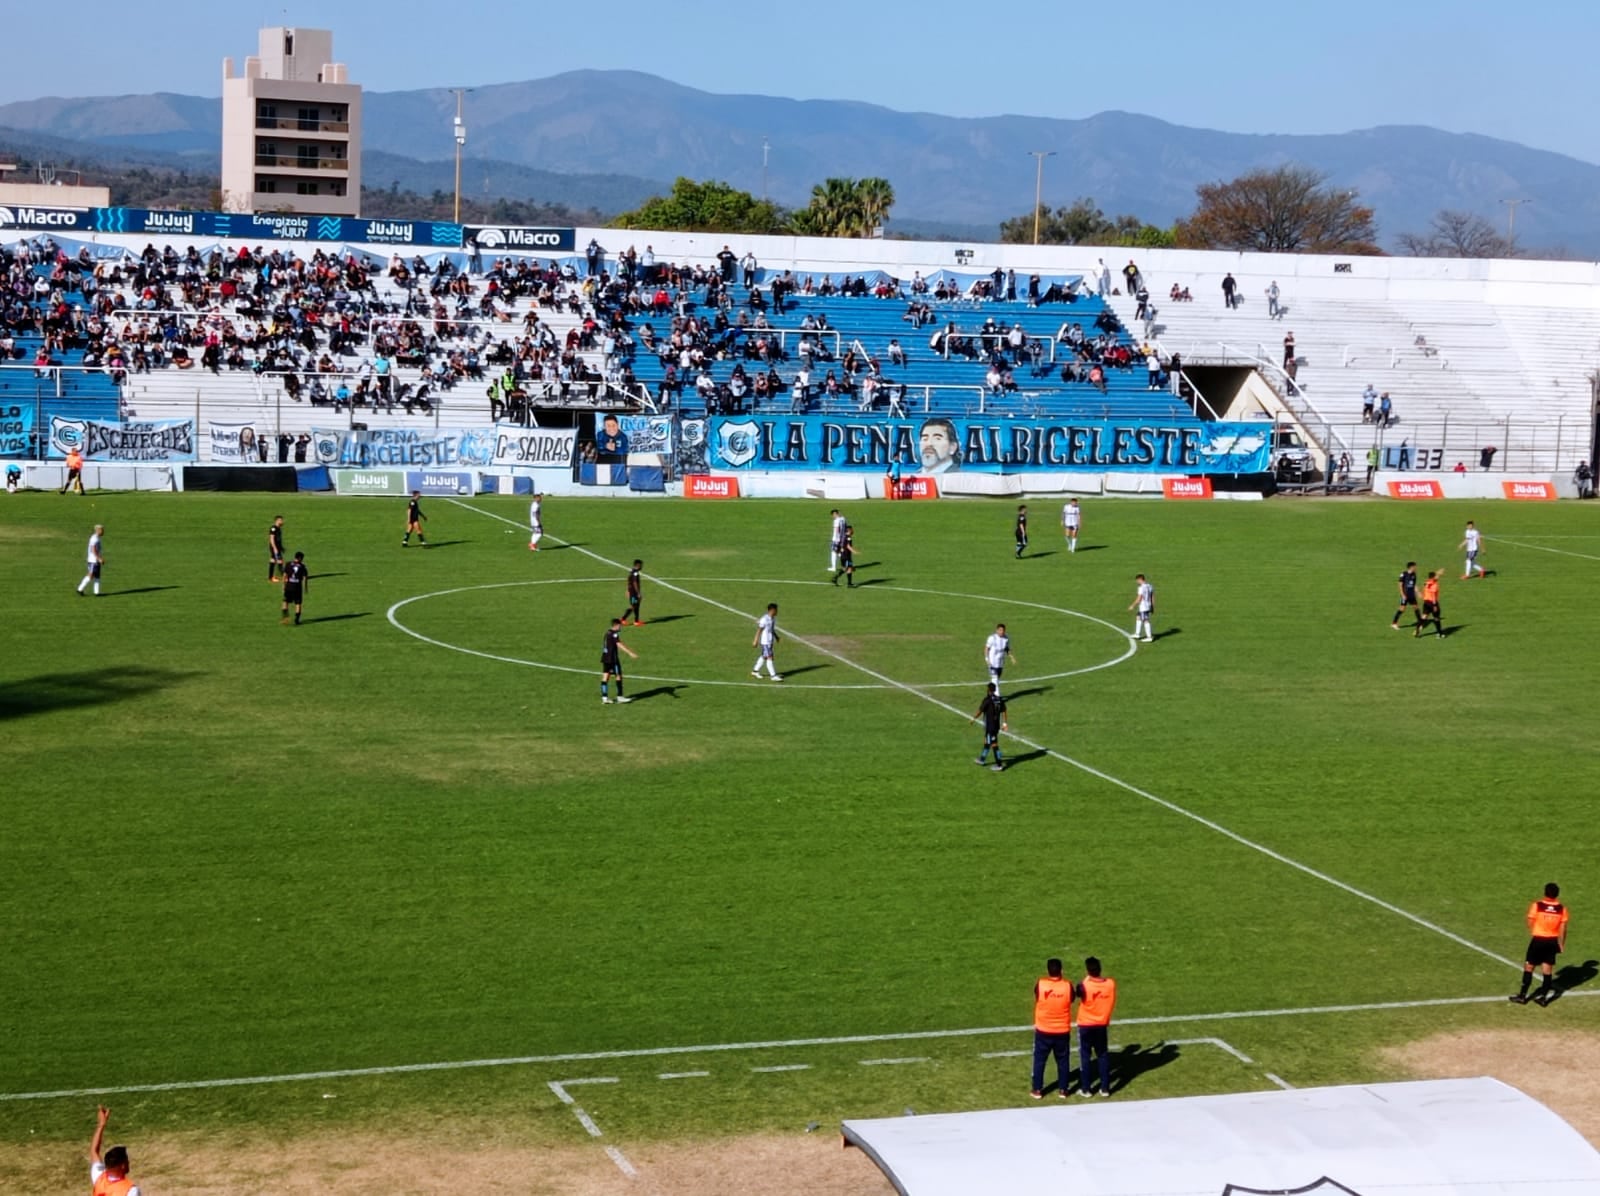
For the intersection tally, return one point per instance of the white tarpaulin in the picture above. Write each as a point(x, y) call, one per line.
point(1427, 1138)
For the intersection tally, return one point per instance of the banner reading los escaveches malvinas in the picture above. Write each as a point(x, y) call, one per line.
point(937, 444)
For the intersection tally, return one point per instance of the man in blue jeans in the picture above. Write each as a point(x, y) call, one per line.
point(1052, 1027)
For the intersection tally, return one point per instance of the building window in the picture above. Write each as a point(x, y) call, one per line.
point(306, 155)
point(306, 187)
point(266, 186)
point(309, 118)
point(267, 111)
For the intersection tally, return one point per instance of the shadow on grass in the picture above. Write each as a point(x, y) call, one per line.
point(805, 668)
point(1025, 758)
point(666, 619)
point(315, 576)
point(444, 543)
point(871, 581)
point(1090, 547)
point(1130, 1062)
point(66, 691)
point(660, 691)
point(139, 590)
point(1575, 975)
point(1027, 693)
point(1168, 632)
point(357, 614)
point(1028, 556)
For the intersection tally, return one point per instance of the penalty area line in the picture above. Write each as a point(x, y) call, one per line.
point(1080, 765)
point(723, 1047)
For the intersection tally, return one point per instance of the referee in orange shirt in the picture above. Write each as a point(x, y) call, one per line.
point(1547, 923)
point(1052, 1027)
point(1097, 996)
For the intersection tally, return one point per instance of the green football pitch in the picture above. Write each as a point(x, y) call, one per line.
point(407, 832)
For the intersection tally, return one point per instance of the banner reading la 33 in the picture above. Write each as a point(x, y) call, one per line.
point(937, 444)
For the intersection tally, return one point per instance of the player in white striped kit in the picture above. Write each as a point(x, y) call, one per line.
point(767, 638)
point(1472, 542)
point(996, 651)
point(535, 521)
point(1144, 601)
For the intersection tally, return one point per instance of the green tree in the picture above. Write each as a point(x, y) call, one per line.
point(1083, 223)
point(1289, 209)
point(845, 208)
point(705, 207)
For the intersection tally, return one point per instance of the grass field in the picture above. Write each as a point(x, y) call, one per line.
point(238, 849)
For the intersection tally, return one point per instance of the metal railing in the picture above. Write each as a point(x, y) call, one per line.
point(295, 162)
point(302, 126)
point(1328, 435)
point(1553, 446)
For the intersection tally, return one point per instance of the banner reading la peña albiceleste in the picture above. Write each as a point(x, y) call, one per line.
point(938, 444)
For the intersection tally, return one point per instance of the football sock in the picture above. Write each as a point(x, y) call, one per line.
point(619, 687)
point(1527, 979)
point(604, 690)
point(407, 540)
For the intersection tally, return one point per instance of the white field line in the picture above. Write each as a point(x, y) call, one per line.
point(559, 1087)
point(1004, 1054)
point(1220, 1043)
point(782, 1067)
point(1208, 823)
point(1279, 1081)
point(710, 1048)
point(1541, 548)
point(892, 1062)
point(682, 1075)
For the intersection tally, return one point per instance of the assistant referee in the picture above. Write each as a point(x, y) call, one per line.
point(1547, 922)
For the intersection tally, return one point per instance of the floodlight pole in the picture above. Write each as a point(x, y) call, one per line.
point(1511, 219)
point(461, 140)
point(1038, 186)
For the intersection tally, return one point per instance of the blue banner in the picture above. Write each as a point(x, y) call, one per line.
point(261, 226)
point(16, 429)
point(436, 482)
point(425, 448)
point(938, 445)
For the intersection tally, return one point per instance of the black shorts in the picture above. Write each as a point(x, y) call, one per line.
point(1543, 951)
point(275, 555)
point(611, 664)
point(633, 601)
point(1430, 610)
point(1408, 600)
point(293, 593)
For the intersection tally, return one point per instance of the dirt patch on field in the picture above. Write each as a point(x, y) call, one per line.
point(1561, 1069)
point(377, 1165)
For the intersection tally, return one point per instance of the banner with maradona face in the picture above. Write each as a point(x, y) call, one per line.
point(938, 444)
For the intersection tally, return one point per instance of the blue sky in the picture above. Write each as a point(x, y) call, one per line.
point(1245, 66)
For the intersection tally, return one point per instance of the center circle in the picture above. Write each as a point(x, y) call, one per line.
point(1129, 646)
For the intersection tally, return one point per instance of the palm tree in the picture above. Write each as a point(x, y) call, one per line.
point(875, 197)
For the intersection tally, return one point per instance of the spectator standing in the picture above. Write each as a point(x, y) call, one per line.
point(1130, 275)
point(1369, 403)
point(108, 1173)
point(1102, 278)
point(1097, 996)
point(1583, 480)
point(1052, 1028)
point(726, 261)
point(1385, 410)
point(1228, 288)
point(1288, 349)
point(1273, 310)
point(749, 266)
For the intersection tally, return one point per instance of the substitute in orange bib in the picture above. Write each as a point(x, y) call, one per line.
point(1097, 996)
point(1052, 1027)
point(109, 1175)
point(1547, 923)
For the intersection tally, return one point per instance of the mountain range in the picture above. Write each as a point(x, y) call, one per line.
point(608, 139)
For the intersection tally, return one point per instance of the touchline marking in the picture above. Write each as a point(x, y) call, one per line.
point(344, 1073)
point(892, 1062)
point(682, 1075)
point(1080, 765)
point(784, 1067)
point(1004, 1054)
point(1541, 548)
point(1279, 1081)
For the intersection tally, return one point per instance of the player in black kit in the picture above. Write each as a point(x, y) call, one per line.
point(633, 595)
point(296, 580)
point(1408, 593)
point(993, 713)
point(847, 558)
point(1022, 531)
point(275, 550)
point(414, 521)
point(611, 662)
